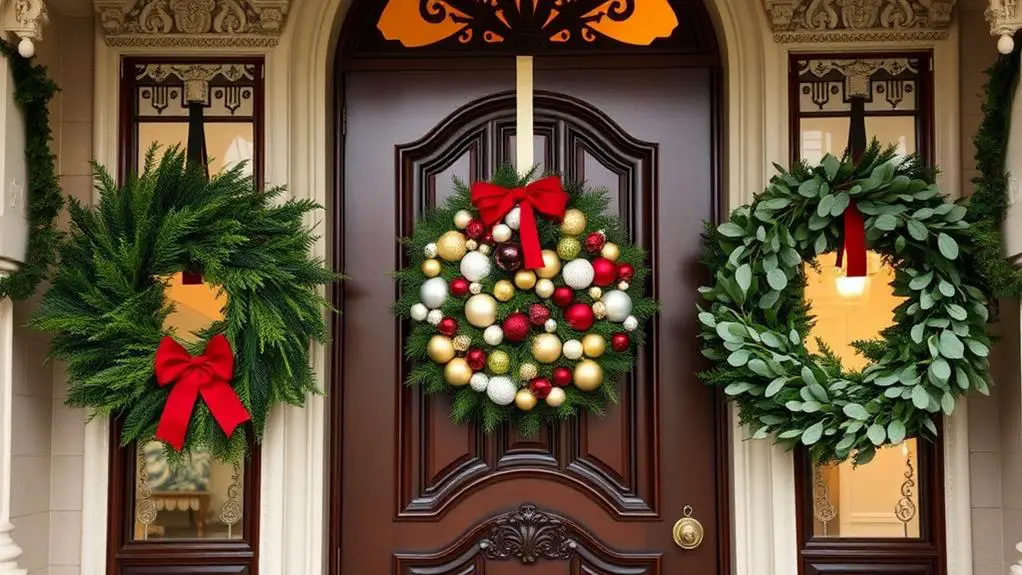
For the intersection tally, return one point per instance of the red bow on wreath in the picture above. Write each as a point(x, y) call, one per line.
point(545, 196)
point(207, 375)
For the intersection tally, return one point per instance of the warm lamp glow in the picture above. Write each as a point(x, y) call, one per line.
point(851, 287)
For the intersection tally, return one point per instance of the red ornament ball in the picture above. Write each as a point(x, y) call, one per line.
point(448, 326)
point(620, 342)
point(508, 257)
point(459, 286)
point(579, 316)
point(594, 242)
point(562, 376)
point(516, 327)
point(605, 272)
point(625, 272)
point(476, 358)
point(538, 314)
point(475, 230)
point(540, 387)
point(563, 296)
point(488, 237)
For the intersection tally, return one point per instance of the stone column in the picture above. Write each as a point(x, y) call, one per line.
point(9, 550)
point(1005, 19)
point(26, 19)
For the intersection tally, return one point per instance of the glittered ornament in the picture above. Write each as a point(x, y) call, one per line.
point(595, 293)
point(620, 342)
point(579, 316)
point(625, 272)
point(419, 312)
point(501, 233)
point(451, 246)
point(513, 219)
point(440, 349)
point(551, 265)
point(524, 400)
point(588, 375)
point(501, 390)
point(568, 248)
point(479, 381)
point(604, 272)
point(574, 222)
point(448, 326)
point(556, 397)
point(430, 250)
point(630, 323)
point(461, 342)
point(471, 245)
point(493, 335)
point(498, 362)
point(538, 314)
point(546, 348)
point(484, 249)
point(516, 326)
point(594, 242)
point(475, 230)
point(457, 372)
point(476, 358)
point(459, 287)
point(578, 274)
point(503, 290)
point(599, 310)
point(527, 371)
point(508, 257)
point(488, 238)
point(525, 279)
point(481, 310)
point(611, 251)
point(619, 305)
point(462, 218)
point(434, 316)
point(544, 288)
point(475, 288)
point(572, 349)
point(540, 387)
point(561, 376)
point(475, 266)
point(563, 296)
point(593, 345)
point(433, 292)
point(550, 326)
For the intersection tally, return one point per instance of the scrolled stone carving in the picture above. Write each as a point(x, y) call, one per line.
point(192, 23)
point(859, 20)
point(26, 18)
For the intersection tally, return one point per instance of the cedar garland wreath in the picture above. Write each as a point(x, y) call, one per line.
point(107, 305)
point(33, 91)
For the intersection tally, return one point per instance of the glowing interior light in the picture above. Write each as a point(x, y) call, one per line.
point(851, 287)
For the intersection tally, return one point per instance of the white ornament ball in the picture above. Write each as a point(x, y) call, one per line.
point(434, 316)
point(501, 233)
point(550, 326)
point(619, 305)
point(430, 250)
point(493, 335)
point(630, 323)
point(462, 218)
point(481, 310)
point(578, 274)
point(475, 288)
point(572, 349)
point(501, 390)
point(475, 266)
point(26, 48)
point(544, 288)
point(623, 286)
point(479, 382)
point(484, 249)
point(419, 312)
point(1005, 44)
point(513, 219)
point(433, 292)
point(556, 397)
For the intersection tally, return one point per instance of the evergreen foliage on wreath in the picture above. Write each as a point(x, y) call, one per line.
point(530, 337)
point(107, 306)
point(33, 91)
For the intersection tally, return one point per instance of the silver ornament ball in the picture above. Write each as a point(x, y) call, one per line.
point(550, 326)
point(501, 390)
point(514, 218)
point(479, 382)
point(493, 335)
point(433, 292)
point(619, 305)
point(630, 323)
point(475, 266)
point(578, 274)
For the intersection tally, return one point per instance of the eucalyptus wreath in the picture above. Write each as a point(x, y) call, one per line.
point(757, 320)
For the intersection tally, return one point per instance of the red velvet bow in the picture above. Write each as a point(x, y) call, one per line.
point(545, 196)
point(855, 243)
point(208, 374)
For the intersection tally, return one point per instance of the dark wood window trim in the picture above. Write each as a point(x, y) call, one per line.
point(125, 555)
point(926, 554)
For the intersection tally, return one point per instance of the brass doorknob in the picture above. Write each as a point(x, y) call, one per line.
point(688, 531)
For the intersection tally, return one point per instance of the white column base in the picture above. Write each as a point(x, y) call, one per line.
point(9, 552)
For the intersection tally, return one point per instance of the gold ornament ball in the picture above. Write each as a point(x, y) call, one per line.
point(481, 310)
point(588, 375)
point(593, 345)
point(457, 372)
point(527, 371)
point(611, 251)
point(544, 288)
point(546, 348)
point(462, 343)
point(574, 223)
point(568, 248)
point(595, 292)
point(440, 349)
point(599, 310)
point(525, 279)
point(498, 362)
point(556, 397)
point(431, 268)
point(551, 265)
point(524, 400)
point(451, 246)
point(503, 290)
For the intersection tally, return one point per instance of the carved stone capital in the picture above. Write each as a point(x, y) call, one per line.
point(859, 20)
point(25, 18)
point(192, 23)
point(1004, 19)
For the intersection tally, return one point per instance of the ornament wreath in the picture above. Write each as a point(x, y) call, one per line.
point(527, 301)
point(757, 319)
point(33, 91)
point(107, 306)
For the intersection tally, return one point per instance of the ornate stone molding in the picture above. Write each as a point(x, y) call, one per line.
point(859, 20)
point(192, 23)
point(25, 18)
point(1004, 19)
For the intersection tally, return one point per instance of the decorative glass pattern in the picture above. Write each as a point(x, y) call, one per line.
point(826, 86)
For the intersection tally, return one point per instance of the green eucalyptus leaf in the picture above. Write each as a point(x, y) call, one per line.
point(809, 188)
point(731, 230)
point(876, 433)
point(886, 222)
point(812, 434)
point(896, 431)
point(775, 386)
point(831, 165)
point(920, 398)
point(950, 346)
point(738, 358)
point(738, 388)
point(921, 281)
point(777, 280)
point(917, 230)
point(856, 411)
point(948, 246)
point(743, 275)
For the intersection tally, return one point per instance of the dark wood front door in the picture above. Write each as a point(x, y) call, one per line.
point(416, 494)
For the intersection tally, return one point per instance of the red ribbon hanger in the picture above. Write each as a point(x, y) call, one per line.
point(208, 375)
point(545, 195)
point(855, 242)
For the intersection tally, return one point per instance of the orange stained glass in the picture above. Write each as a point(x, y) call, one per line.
point(418, 23)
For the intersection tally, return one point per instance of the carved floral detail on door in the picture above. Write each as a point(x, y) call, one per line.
point(528, 534)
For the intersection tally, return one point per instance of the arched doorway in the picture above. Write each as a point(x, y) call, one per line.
point(413, 493)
